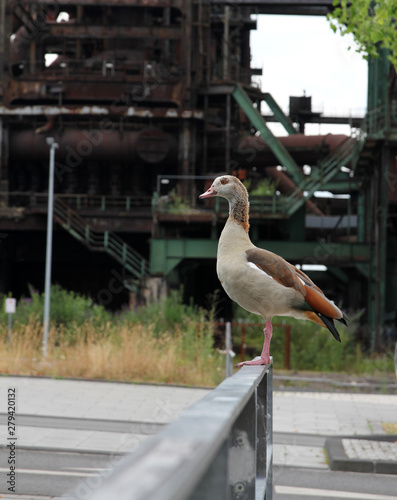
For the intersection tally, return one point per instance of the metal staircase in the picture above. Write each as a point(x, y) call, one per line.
point(321, 173)
point(103, 241)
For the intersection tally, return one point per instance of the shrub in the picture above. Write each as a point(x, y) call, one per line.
point(313, 347)
point(165, 315)
point(66, 307)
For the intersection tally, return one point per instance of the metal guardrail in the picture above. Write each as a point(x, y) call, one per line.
point(80, 201)
point(220, 448)
point(259, 205)
point(244, 325)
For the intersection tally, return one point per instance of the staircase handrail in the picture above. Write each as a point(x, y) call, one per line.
point(326, 169)
point(98, 240)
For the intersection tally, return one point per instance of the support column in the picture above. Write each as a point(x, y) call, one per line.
point(2, 38)
point(227, 132)
point(371, 204)
point(381, 245)
point(4, 179)
point(187, 54)
point(187, 156)
point(226, 43)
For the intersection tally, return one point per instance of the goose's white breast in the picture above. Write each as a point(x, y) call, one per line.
point(247, 285)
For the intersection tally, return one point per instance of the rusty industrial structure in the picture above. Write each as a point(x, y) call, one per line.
point(148, 100)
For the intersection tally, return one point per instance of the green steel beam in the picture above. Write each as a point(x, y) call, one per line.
point(342, 183)
point(340, 187)
point(166, 254)
point(313, 252)
point(378, 78)
point(274, 144)
point(279, 113)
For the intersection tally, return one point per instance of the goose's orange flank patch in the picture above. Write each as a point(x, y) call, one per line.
point(320, 304)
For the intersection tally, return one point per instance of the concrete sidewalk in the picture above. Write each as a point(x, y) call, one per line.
point(117, 417)
point(92, 410)
point(348, 416)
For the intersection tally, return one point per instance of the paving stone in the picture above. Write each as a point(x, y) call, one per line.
point(312, 457)
point(369, 449)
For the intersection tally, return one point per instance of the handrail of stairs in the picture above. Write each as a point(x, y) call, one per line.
point(324, 172)
point(96, 240)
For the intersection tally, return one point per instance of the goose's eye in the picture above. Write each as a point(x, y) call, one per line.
point(224, 181)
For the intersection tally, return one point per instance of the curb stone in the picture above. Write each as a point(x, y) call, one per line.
point(339, 461)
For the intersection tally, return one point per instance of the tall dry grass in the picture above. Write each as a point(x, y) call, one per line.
point(129, 352)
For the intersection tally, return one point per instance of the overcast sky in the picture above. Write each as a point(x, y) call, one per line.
point(302, 53)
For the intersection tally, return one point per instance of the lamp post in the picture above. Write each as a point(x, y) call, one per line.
point(47, 285)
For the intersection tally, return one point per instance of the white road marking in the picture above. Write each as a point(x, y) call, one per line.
point(46, 472)
point(88, 469)
point(314, 492)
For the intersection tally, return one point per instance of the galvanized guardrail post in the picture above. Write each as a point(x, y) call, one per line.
point(229, 354)
point(220, 448)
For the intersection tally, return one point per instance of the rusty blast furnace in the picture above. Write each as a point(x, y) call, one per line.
point(150, 99)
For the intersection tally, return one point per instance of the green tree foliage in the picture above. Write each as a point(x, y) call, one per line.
point(373, 23)
point(265, 187)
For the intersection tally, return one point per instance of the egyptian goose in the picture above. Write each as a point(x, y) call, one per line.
point(260, 281)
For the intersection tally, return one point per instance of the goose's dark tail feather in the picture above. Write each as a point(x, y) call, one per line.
point(344, 320)
point(329, 323)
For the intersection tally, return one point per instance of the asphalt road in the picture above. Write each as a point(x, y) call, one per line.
point(51, 473)
point(295, 483)
point(72, 475)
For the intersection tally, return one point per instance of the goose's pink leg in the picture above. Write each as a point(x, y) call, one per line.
point(264, 358)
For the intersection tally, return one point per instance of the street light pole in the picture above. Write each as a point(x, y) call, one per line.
point(47, 285)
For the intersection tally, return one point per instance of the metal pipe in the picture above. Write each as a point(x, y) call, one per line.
point(242, 355)
point(96, 144)
point(2, 37)
point(226, 43)
point(167, 22)
point(47, 284)
point(205, 135)
point(228, 348)
point(227, 139)
point(305, 149)
point(9, 329)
